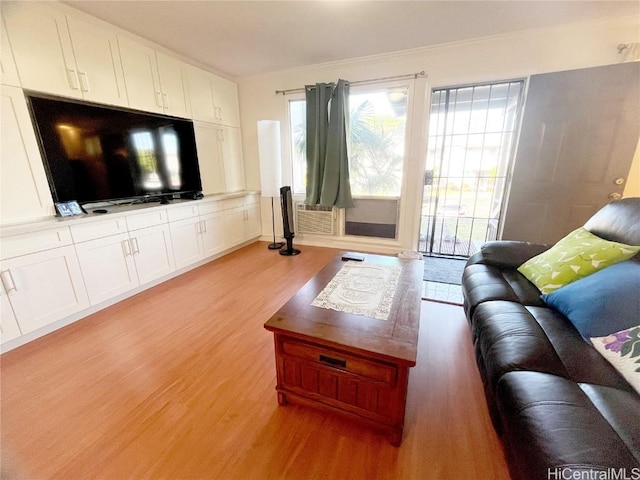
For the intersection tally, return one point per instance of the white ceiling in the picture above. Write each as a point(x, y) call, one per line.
point(241, 38)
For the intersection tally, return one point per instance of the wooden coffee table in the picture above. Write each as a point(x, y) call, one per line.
point(345, 363)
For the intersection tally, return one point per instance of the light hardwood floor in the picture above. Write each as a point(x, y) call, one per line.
point(178, 382)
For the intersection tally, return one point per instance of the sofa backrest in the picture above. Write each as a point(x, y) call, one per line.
point(618, 221)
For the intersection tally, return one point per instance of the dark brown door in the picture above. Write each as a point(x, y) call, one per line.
point(579, 132)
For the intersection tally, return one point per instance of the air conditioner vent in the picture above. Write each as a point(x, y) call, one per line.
point(315, 219)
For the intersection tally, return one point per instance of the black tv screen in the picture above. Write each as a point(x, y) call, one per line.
point(94, 153)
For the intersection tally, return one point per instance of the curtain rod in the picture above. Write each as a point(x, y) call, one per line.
point(359, 82)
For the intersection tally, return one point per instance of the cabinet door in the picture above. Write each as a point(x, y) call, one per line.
point(152, 252)
point(107, 266)
point(24, 191)
point(209, 157)
point(41, 48)
point(98, 60)
point(8, 70)
point(187, 241)
point(173, 84)
point(213, 233)
point(9, 328)
point(200, 95)
point(225, 100)
point(44, 287)
point(233, 162)
point(234, 226)
point(141, 75)
point(252, 222)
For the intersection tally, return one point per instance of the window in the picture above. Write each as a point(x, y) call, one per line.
point(378, 119)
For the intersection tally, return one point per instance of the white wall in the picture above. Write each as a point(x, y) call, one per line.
point(493, 58)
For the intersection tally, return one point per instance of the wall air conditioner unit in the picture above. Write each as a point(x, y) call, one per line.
point(315, 219)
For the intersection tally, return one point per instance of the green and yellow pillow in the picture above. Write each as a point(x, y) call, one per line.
point(575, 256)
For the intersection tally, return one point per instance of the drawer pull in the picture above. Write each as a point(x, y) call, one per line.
point(334, 362)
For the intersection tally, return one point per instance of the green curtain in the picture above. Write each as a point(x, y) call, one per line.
point(327, 135)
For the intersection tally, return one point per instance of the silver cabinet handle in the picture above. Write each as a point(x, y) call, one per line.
point(198, 228)
point(203, 227)
point(159, 99)
point(126, 247)
point(84, 81)
point(7, 281)
point(72, 78)
point(165, 100)
point(134, 243)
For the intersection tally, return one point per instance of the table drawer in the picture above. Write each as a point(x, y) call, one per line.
point(332, 358)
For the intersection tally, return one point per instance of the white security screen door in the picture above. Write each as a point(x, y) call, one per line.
point(471, 135)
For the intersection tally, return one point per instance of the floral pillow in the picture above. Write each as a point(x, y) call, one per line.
point(622, 350)
point(575, 256)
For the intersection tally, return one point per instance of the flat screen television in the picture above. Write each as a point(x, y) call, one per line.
point(94, 153)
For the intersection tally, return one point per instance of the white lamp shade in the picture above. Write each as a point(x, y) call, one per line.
point(270, 156)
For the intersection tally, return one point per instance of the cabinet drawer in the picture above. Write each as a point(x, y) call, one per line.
point(180, 213)
point(251, 199)
point(93, 230)
point(22, 244)
point(147, 219)
point(233, 203)
point(342, 361)
point(210, 207)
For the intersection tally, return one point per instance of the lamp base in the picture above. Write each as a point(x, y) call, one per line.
point(275, 245)
point(289, 252)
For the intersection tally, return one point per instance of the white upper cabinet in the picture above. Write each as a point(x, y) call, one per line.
point(24, 191)
point(201, 95)
point(173, 83)
point(155, 82)
point(65, 56)
point(8, 71)
point(225, 101)
point(209, 157)
point(220, 158)
point(42, 48)
point(141, 75)
point(213, 99)
point(98, 60)
point(231, 145)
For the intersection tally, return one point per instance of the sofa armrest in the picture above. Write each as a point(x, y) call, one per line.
point(507, 253)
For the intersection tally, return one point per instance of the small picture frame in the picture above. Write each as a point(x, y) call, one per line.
point(69, 209)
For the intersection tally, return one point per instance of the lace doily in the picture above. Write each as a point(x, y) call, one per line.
point(361, 289)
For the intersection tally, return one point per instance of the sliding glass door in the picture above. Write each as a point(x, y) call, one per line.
point(472, 130)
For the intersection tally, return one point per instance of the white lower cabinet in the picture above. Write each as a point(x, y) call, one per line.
point(242, 224)
point(51, 274)
point(116, 264)
point(152, 252)
point(213, 237)
point(9, 328)
point(252, 222)
point(43, 287)
point(108, 267)
point(234, 226)
point(187, 241)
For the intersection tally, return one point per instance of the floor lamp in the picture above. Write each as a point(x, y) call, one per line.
point(270, 167)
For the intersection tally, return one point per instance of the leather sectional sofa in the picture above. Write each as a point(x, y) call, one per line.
point(560, 407)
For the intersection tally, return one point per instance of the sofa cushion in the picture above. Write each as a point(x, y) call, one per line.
point(622, 350)
point(577, 255)
point(602, 303)
point(551, 422)
point(482, 283)
point(510, 337)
